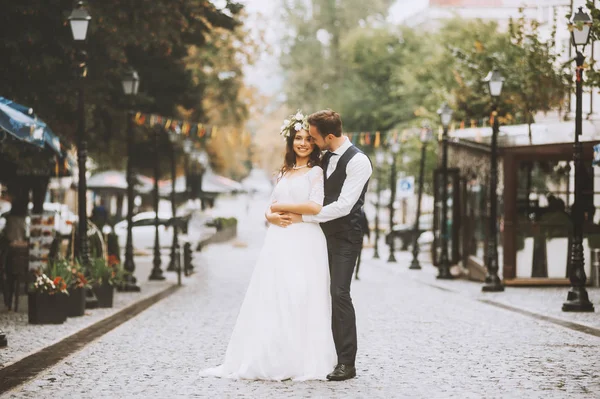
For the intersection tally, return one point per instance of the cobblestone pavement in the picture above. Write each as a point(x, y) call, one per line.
point(25, 339)
point(546, 301)
point(415, 341)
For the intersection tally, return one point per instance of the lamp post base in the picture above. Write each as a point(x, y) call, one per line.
point(376, 254)
point(392, 258)
point(129, 285)
point(492, 284)
point(172, 267)
point(157, 275)
point(415, 265)
point(578, 301)
point(444, 273)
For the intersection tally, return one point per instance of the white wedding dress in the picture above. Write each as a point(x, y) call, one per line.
point(283, 330)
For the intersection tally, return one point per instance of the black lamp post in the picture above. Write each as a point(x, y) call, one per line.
point(131, 82)
point(175, 259)
point(187, 149)
point(492, 282)
point(157, 273)
point(445, 113)
point(426, 134)
point(393, 179)
point(203, 161)
point(379, 158)
point(577, 298)
point(79, 21)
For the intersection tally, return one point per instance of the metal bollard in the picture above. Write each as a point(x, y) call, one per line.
point(595, 269)
point(187, 259)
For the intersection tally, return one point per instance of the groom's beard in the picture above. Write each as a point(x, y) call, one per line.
point(323, 148)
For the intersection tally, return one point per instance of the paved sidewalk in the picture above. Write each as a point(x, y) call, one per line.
point(545, 301)
point(25, 339)
point(415, 341)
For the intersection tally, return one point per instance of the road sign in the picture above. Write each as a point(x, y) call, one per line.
point(406, 187)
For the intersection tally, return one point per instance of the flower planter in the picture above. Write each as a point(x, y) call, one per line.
point(105, 293)
point(76, 302)
point(47, 309)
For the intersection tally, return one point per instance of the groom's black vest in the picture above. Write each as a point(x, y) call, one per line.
point(333, 188)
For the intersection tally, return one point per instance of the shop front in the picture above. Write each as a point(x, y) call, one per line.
point(535, 201)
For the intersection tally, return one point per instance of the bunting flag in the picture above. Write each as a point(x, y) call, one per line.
point(377, 139)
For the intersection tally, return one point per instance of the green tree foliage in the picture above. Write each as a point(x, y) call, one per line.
point(152, 36)
point(382, 77)
point(536, 82)
point(371, 97)
point(592, 77)
point(312, 57)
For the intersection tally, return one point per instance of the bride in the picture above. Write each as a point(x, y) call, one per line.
point(283, 330)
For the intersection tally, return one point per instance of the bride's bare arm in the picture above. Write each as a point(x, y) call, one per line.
point(304, 208)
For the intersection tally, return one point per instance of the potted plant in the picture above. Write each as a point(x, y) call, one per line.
point(77, 285)
point(47, 299)
point(105, 275)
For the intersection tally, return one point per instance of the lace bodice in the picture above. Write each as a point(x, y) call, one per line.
point(300, 188)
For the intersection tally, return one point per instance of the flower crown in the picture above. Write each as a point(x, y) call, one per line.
point(296, 122)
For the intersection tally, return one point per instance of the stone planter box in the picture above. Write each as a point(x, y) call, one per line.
point(105, 293)
point(76, 302)
point(47, 309)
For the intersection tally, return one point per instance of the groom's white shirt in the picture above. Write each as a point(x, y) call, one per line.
point(358, 171)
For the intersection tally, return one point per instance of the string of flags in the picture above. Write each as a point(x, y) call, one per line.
point(191, 130)
point(200, 131)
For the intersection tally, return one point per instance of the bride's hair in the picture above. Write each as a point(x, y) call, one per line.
point(314, 159)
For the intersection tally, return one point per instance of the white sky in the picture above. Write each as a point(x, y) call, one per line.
point(266, 74)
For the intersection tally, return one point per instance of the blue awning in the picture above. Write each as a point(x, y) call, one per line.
point(22, 123)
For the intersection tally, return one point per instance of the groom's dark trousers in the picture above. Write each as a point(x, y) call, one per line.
point(343, 251)
point(344, 241)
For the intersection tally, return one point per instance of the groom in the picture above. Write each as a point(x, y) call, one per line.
point(347, 171)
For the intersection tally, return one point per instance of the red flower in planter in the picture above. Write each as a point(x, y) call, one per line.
point(60, 284)
point(113, 260)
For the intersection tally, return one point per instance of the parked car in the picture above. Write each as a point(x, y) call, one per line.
point(404, 233)
point(143, 230)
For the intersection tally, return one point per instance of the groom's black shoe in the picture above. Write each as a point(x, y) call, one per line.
point(342, 372)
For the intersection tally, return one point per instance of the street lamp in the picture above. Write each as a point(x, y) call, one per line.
point(131, 83)
point(493, 283)
point(426, 135)
point(577, 298)
point(379, 158)
point(445, 113)
point(394, 151)
point(157, 273)
point(79, 21)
